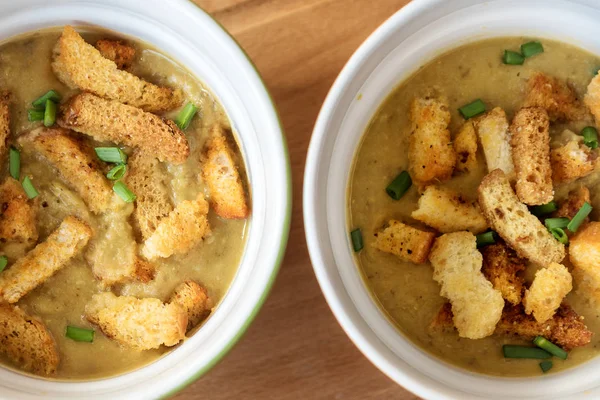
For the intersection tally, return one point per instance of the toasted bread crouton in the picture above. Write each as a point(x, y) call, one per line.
point(592, 97)
point(448, 211)
point(572, 161)
point(78, 64)
point(465, 146)
point(116, 51)
point(76, 163)
point(571, 205)
point(584, 253)
point(227, 195)
point(546, 293)
point(530, 143)
point(17, 214)
point(476, 305)
point(44, 260)
point(184, 227)
point(555, 96)
point(26, 341)
point(502, 266)
point(431, 156)
point(492, 129)
point(408, 243)
point(112, 121)
point(147, 179)
point(4, 122)
point(141, 324)
point(515, 224)
point(193, 298)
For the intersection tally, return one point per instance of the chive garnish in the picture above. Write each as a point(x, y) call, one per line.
point(546, 366)
point(550, 347)
point(49, 113)
point(484, 239)
point(398, 187)
point(3, 263)
point(80, 334)
point(123, 191)
point(111, 155)
point(560, 235)
point(472, 109)
point(512, 58)
point(14, 163)
point(590, 137)
point(552, 223)
point(185, 116)
point(513, 351)
point(357, 240)
point(117, 172)
point(35, 115)
point(531, 49)
point(581, 215)
point(544, 209)
point(29, 188)
point(41, 102)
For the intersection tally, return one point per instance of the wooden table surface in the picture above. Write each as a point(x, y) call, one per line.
point(295, 348)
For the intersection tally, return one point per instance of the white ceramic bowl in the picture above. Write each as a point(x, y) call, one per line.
point(413, 36)
point(195, 40)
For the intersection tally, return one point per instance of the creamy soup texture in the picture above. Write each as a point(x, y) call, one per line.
point(406, 291)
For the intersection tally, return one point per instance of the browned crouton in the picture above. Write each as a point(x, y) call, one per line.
point(78, 64)
point(112, 121)
point(4, 122)
point(492, 128)
point(26, 341)
point(448, 211)
point(431, 156)
point(141, 324)
point(572, 161)
point(555, 96)
point(584, 253)
point(44, 260)
point(184, 227)
point(148, 180)
point(592, 97)
point(408, 243)
point(17, 214)
point(117, 51)
point(227, 195)
point(502, 266)
point(514, 223)
point(476, 305)
point(571, 205)
point(465, 146)
point(193, 298)
point(546, 293)
point(530, 143)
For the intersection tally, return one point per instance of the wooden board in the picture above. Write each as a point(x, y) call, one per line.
point(295, 348)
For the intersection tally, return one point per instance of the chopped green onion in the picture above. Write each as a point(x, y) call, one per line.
point(111, 155)
point(531, 49)
point(560, 235)
point(3, 263)
point(123, 191)
point(472, 109)
point(41, 102)
point(185, 116)
point(552, 223)
point(357, 240)
point(483, 239)
point(50, 113)
point(80, 334)
point(117, 172)
point(399, 185)
point(544, 209)
point(35, 115)
point(550, 347)
point(513, 58)
point(14, 163)
point(29, 188)
point(546, 366)
point(513, 351)
point(590, 137)
point(581, 215)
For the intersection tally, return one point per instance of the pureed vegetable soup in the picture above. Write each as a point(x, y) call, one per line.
point(155, 219)
point(390, 251)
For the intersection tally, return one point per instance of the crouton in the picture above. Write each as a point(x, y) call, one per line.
point(492, 129)
point(26, 341)
point(44, 260)
point(555, 96)
point(141, 324)
point(76, 163)
point(227, 195)
point(148, 180)
point(530, 143)
point(502, 266)
point(408, 243)
point(572, 161)
point(184, 227)
point(4, 122)
point(448, 211)
point(571, 205)
point(592, 97)
point(112, 121)
point(116, 51)
point(144, 271)
point(584, 253)
point(431, 156)
point(78, 64)
point(193, 298)
point(515, 224)
point(465, 146)
point(17, 214)
point(476, 305)
point(546, 293)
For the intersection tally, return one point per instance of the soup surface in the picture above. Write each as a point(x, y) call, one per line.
point(406, 291)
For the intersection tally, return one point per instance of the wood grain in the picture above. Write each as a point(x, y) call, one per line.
point(295, 349)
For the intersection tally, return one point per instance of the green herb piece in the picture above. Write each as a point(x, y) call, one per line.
point(544, 209)
point(40, 102)
point(561, 222)
point(550, 347)
point(513, 58)
point(50, 113)
point(357, 240)
point(35, 115)
point(80, 334)
point(123, 191)
point(111, 155)
point(14, 163)
point(486, 238)
point(472, 109)
point(3, 263)
point(513, 351)
point(117, 172)
point(560, 235)
point(590, 137)
point(29, 189)
point(531, 49)
point(185, 116)
point(581, 215)
point(399, 186)
point(546, 366)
